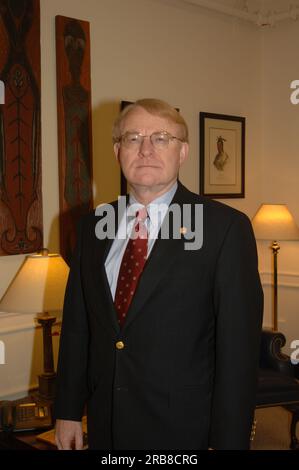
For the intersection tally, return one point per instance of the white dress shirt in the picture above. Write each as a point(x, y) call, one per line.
point(156, 210)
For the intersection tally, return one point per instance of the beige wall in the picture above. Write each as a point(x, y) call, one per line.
point(280, 165)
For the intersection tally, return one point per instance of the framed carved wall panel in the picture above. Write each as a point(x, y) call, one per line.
point(21, 228)
point(74, 127)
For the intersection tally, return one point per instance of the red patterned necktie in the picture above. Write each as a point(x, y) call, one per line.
point(131, 266)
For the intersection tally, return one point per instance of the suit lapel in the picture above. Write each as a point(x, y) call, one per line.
point(161, 258)
point(101, 286)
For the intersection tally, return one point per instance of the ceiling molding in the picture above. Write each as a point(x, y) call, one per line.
point(266, 13)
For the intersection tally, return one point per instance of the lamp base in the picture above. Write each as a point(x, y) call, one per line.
point(47, 379)
point(275, 249)
point(46, 386)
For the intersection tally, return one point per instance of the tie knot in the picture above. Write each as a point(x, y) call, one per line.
point(141, 214)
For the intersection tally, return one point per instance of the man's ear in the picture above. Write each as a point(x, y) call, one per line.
point(116, 148)
point(184, 152)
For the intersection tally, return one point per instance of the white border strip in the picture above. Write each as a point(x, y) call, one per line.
point(284, 279)
point(14, 322)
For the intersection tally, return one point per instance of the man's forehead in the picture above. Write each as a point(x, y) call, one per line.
point(139, 119)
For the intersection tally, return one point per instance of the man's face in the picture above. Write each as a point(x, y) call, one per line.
point(144, 165)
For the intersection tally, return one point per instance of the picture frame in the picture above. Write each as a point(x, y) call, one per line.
point(222, 155)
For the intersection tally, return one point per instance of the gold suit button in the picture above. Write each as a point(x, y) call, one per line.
point(120, 345)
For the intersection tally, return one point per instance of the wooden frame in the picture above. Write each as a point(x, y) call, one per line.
point(222, 155)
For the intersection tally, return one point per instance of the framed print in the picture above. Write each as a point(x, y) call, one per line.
point(222, 156)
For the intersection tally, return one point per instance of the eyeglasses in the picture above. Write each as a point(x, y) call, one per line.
point(159, 140)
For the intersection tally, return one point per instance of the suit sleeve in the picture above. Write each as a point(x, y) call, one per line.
point(238, 298)
point(71, 384)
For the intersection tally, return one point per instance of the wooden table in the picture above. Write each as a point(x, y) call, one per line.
point(25, 440)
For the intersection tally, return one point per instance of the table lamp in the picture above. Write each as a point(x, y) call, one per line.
point(38, 287)
point(274, 222)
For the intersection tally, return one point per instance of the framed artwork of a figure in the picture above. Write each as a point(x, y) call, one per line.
point(222, 155)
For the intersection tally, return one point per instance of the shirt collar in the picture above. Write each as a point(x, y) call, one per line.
point(152, 208)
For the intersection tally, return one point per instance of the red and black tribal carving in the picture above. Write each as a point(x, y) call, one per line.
point(20, 146)
point(74, 127)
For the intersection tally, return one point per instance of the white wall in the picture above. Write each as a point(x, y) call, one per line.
point(23, 359)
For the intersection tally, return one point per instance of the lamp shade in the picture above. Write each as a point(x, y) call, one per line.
point(274, 222)
point(38, 286)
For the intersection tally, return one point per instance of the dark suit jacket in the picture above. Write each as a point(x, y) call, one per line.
point(186, 377)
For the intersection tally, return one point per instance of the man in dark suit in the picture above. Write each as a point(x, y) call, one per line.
point(160, 334)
